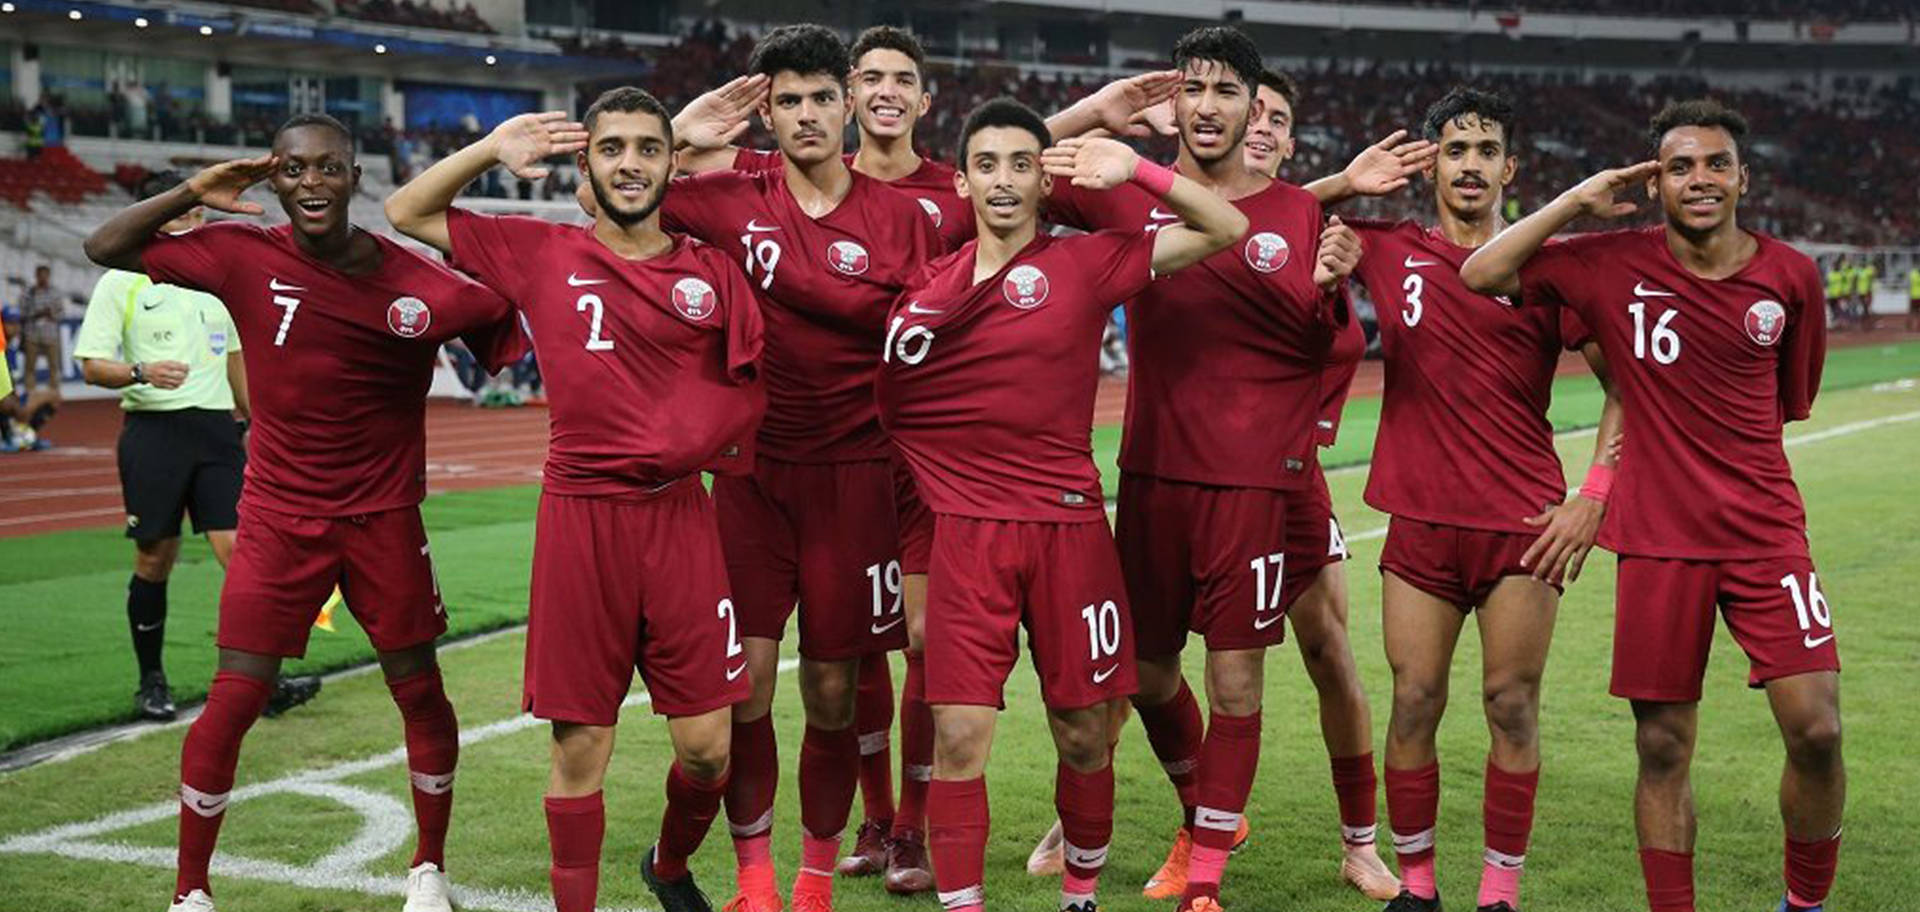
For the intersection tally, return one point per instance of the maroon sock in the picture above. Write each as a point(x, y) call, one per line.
point(957, 825)
point(1228, 759)
point(1508, 819)
point(1175, 731)
point(433, 749)
point(1413, 803)
point(207, 762)
point(916, 749)
point(829, 770)
point(1356, 788)
point(691, 806)
point(750, 784)
point(873, 718)
point(1669, 878)
point(575, 827)
point(1810, 869)
point(1084, 802)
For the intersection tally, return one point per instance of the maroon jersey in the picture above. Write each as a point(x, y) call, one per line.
point(650, 365)
point(931, 185)
point(1336, 380)
point(1708, 371)
point(338, 365)
point(1226, 356)
point(1464, 438)
point(825, 286)
point(988, 388)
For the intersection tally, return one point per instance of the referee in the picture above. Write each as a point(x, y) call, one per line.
point(167, 349)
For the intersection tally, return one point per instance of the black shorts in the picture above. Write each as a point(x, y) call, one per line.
point(179, 461)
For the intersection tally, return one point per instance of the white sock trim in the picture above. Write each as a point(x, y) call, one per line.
point(962, 898)
point(1415, 843)
point(1359, 836)
point(205, 804)
point(432, 784)
point(1078, 857)
point(759, 826)
point(1502, 860)
point(919, 773)
point(1207, 818)
point(874, 742)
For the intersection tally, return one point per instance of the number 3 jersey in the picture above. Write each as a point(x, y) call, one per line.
point(988, 387)
point(1707, 371)
point(338, 365)
point(825, 286)
point(651, 366)
point(1464, 438)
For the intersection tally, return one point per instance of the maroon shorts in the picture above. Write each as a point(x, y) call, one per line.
point(1454, 563)
point(821, 537)
point(1060, 580)
point(1314, 539)
point(284, 568)
point(1663, 622)
point(626, 583)
point(916, 521)
point(1206, 559)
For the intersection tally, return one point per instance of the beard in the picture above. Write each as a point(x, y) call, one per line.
point(1234, 148)
point(623, 218)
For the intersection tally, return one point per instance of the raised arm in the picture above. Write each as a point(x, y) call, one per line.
point(1114, 108)
point(1568, 529)
point(1379, 169)
point(1208, 222)
point(419, 209)
point(119, 242)
point(1495, 268)
point(704, 131)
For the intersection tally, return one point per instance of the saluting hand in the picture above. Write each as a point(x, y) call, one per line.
point(1116, 103)
point(220, 186)
point(522, 142)
point(717, 118)
point(1091, 162)
point(1595, 195)
point(1389, 164)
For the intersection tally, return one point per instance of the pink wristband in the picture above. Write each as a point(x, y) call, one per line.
point(1599, 483)
point(1152, 178)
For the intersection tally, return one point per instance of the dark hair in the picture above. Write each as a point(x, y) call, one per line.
point(1461, 101)
point(626, 100)
point(326, 121)
point(1001, 112)
point(887, 38)
point(806, 49)
point(156, 183)
point(1221, 44)
point(1281, 83)
point(1696, 112)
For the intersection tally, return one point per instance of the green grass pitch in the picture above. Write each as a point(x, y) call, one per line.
point(62, 595)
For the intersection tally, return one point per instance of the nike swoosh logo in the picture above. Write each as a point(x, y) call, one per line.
point(1260, 623)
point(1640, 290)
point(276, 285)
point(1817, 642)
point(916, 308)
point(1412, 263)
point(883, 628)
point(755, 226)
point(147, 628)
point(1215, 821)
point(734, 673)
point(209, 805)
point(1157, 214)
point(1100, 677)
point(150, 306)
point(576, 281)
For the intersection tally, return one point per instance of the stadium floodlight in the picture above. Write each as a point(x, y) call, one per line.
point(140, 22)
point(379, 48)
point(491, 60)
point(74, 15)
point(206, 30)
point(6, 7)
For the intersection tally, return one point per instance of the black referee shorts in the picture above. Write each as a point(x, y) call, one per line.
point(178, 461)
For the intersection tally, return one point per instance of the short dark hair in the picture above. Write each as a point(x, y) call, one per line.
point(887, 38)
point(1461, 101)
point(1221, 44)
point(326, 121)
point(626, 100)
point(806, 49)
point(1001, 112)
point(156, 183)
point(1281, 83)
point(1696, 112)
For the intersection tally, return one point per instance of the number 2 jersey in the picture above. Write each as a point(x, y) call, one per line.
point(338, 365)
point(1707, 371)
point(651, 365)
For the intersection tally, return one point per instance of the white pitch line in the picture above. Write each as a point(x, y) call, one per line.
point(49, 517)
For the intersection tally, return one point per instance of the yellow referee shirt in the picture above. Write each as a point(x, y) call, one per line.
point(133, 320)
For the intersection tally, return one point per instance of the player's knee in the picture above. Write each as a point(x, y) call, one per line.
point(1083, 747)
point(1417, 704)
point(1813, 741)
point(1664, 749)
point(704, 761)
point(1513, 711)
point(154, 560)
point(960, 748)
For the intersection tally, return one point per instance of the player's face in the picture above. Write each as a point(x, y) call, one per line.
point(627, 162)
point(806, 115)
point(1701, 178)
point(888, 96)
point(42, 275)
point(1474, 167)
point(1213, 108)
point(316, 178)
point(1002, 178)
point(1270, 137)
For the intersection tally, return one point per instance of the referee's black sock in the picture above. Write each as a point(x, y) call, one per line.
point(147, 619)
point(41, 415)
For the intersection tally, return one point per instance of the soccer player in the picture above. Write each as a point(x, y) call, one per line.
point(1715, 335)
point(1466, 467)
point(340, 328)
point(649, 343)
point(1205, 493)
point(827, 248)
point(991, 365)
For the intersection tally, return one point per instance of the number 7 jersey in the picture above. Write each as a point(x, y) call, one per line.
point(1707, 371)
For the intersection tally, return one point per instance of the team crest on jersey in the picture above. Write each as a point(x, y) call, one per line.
point(408, 317)
point(693, 298)
point(1266, 251)
point(1765, 321)
point(1026, 287)
point(848, 257)
point(933, 210)
point(217, 342)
